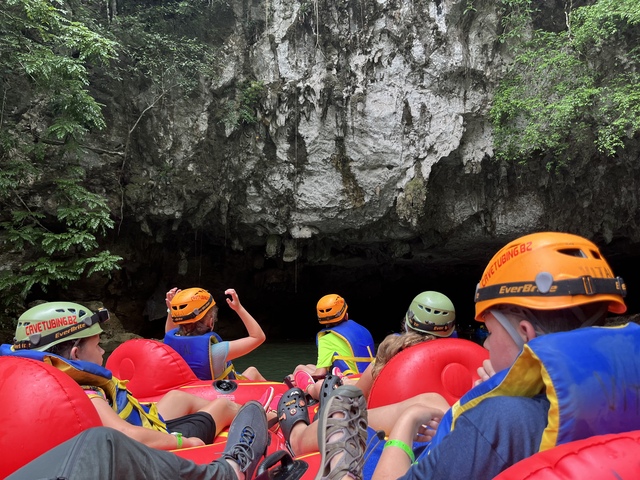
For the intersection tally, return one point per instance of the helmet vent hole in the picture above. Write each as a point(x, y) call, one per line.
point(573, 252)
point(596, 255)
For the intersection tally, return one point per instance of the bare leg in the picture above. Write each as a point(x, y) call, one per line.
point(304, 438)
point(252, 373)
point(176, 404)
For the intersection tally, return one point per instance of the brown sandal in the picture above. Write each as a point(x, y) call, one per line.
point(349, 401)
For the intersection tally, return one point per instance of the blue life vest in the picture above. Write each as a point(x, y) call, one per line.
point(360, 343)
point(196, 350)
point(88, 374)
point(591, 377)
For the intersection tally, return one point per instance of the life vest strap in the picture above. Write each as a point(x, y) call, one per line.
point(225, 373)
point(354, 359)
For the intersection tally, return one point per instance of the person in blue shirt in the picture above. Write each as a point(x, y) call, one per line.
point(191, 317)
point(538, 297)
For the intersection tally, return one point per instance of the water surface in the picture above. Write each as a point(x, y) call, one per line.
point(277, 359)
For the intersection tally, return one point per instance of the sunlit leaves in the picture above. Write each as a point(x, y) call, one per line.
point(40, 42)
point(61, 251)
point(51, 224)
point(574, 90)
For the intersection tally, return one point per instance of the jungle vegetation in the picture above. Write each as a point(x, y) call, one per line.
point(571, 91)
point(51, 53)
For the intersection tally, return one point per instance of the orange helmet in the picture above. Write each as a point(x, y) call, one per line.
point(190, 305)
point(548, 271)
point(331, 309)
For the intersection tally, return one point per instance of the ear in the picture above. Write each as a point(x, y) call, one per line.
point(73, 354)
point(526, 330)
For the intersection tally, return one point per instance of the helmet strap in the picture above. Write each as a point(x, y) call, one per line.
point(543, 286)
point(593, 318)
point(508, 326)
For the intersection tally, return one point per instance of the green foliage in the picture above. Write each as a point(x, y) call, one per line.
point(571, 91)
point(39, 40)
point(306, 7)
point(516, 18)
point(242, 109)
point(50, 223)
point(470, 7)
point(154, 50)
point(249, 101)
point(62, 250)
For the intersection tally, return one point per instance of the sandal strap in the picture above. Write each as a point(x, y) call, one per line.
point(352, 432)
point(331, 382)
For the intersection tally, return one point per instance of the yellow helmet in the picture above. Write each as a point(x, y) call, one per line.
point(190, 305)
point(548, 271)
point(48, 324)
point(331, 309)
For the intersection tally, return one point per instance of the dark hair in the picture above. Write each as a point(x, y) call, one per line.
point(63, 349)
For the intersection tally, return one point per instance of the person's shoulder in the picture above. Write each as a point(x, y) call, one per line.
point(537, 402)
point(510, 409)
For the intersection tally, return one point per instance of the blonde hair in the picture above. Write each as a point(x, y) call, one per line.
point(394, 344)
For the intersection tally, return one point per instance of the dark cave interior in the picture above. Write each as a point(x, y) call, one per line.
point(283, 299)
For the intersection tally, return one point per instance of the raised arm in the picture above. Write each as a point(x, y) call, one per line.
point(256, 337)
point(151, 438)
point(169, 325)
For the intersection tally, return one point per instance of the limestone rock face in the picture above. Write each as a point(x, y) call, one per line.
point(369, 126)
point(359, 102)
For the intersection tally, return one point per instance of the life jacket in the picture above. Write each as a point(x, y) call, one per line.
point(196, 351)
point(591, 377)
point(360, 344)
point(88, 374)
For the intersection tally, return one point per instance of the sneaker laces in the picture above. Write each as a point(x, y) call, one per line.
point(242, 452)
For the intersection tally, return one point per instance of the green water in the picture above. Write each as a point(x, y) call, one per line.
point(277, 359)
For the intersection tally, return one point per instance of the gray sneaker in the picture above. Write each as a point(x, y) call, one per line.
point(248, 438)
point(346, 435)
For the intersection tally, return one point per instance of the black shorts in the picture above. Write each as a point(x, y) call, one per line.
point(199, 424)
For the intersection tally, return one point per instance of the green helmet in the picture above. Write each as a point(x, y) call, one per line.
point(48, 324)
point(431, 312)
